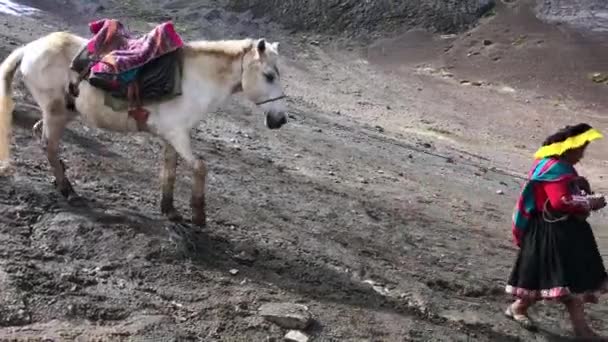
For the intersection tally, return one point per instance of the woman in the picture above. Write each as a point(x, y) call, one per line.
point(558, 257)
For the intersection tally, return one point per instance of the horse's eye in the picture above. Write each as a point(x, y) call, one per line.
point(269, 77)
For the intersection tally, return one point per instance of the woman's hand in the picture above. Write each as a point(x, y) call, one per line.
point(597, 202)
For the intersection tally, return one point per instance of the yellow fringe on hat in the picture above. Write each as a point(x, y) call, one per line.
point(558, 148)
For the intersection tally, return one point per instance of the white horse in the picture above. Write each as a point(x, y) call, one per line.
point(212, 72)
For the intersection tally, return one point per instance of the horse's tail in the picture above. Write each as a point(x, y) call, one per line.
point(7, 73)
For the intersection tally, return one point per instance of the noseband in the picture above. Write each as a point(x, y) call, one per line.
point(271, 100)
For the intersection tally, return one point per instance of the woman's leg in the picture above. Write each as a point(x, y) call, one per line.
point(521, 305)
point(576, 309)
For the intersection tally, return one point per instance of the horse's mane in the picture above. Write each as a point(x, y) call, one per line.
point(228, 48)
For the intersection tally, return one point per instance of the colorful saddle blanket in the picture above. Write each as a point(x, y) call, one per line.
point(113, 59)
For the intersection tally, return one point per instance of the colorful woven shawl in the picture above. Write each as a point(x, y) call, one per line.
point(543, 170)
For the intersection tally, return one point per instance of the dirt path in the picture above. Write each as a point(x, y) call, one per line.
point(383, 206)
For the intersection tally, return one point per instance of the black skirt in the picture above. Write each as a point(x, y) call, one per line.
point(557, 259)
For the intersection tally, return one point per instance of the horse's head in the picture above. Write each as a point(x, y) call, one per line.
point(261, 82)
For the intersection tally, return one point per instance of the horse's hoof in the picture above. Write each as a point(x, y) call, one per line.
point(6, 169)
point(37, 130)
point(169, 211)
point(174, 216)
point(199, 220)
point(77, 201)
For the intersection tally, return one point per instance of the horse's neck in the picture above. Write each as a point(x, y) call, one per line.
point(211, 78)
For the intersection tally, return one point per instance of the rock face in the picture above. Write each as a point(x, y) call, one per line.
point(360, 17)
point(286, 315)
point(584, 14)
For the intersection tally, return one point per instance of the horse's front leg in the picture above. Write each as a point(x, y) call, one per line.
point(182, 144)
point(168, 183)
point(197, 201)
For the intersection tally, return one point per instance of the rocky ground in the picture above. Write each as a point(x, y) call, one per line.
point(381, 212)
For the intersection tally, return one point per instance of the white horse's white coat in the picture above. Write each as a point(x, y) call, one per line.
point(212, 71)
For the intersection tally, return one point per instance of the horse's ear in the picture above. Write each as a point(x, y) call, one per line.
point(275, 46)
point(262, 45)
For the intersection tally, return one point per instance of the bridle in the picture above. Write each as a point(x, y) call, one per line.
point(271, 100)
point(239, 86)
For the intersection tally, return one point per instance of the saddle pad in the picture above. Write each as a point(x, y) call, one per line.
point(119, 52)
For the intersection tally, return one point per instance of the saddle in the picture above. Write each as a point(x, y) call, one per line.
point(137, 70)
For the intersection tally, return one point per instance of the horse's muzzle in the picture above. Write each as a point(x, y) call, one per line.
point(275, 120)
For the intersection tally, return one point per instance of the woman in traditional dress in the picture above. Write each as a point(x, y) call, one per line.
point(558, 256)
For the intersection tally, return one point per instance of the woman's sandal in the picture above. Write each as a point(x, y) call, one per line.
point(523, 320)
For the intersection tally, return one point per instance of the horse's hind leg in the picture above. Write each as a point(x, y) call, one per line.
point(54, 121)
point(182, 144)
point(168, 183)
point(38, 127)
